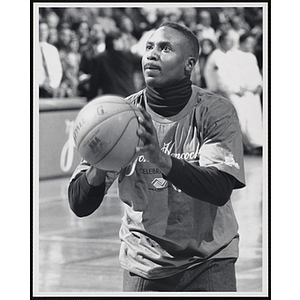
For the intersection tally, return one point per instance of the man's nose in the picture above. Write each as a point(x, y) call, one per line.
point(152, 54)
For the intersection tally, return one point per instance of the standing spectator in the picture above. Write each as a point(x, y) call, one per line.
point(113, 69)
point(224, 26)
point(248, 103)
point(94, 46)
point(49, 69)
point(218, 71)
point(234, 73)
point(237, 29)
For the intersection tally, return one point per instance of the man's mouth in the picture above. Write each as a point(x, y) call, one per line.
point(151, 66)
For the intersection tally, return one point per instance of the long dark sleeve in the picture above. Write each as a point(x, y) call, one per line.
point(84, 199)
point(204, 183)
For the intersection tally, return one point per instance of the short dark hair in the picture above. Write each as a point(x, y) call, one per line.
point(111, 37)
point(191, 37)
point(43, 21)
point(244, 37)
point(223, 36)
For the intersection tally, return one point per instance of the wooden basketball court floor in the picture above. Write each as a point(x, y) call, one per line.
point(79, 256)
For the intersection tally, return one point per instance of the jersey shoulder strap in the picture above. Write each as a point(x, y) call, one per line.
point(137, 99)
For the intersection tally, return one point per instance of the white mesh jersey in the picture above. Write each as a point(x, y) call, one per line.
point(165, 231)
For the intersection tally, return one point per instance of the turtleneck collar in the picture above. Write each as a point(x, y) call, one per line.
point(169, 101)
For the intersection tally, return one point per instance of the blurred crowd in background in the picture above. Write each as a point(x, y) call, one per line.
point(79, 34)
point(90, 51)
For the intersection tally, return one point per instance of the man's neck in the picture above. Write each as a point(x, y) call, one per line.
point(170, 100)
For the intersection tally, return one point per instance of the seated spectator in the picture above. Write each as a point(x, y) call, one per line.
point(70, 60)
point(140, 24)
point(125, 25)
point(189, 17)
point(204, 30)
point(49, 69)
point(172, 14)
point(53, 36)
point(108, 23)
point(52, 19)
point(82, 30)
point(206, 48)
point(64, 36)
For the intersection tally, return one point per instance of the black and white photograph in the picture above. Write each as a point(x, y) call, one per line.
point(151, 149)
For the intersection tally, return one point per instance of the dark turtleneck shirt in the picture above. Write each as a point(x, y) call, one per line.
point(170, 100)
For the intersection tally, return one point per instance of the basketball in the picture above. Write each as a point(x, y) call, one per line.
point(105, 132)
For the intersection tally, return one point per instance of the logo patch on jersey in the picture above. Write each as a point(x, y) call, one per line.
point(229, 161)
point(159, 183)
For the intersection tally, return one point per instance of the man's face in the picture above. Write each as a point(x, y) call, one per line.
point(65, 36)
point(227, 43)
point(83, 30)
point(164, 60)
point(248, 45)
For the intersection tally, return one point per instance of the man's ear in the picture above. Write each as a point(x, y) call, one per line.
point(190, 64)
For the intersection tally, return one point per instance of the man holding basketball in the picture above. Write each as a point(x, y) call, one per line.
point(179, 231)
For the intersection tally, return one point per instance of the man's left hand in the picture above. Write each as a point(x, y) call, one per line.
point(151, 148)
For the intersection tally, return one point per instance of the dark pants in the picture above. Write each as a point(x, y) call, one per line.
point(212, 276)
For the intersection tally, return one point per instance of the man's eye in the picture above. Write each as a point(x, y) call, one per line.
point(167, 48)
point(149, 47)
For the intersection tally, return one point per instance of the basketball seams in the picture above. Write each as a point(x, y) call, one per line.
point(117, 141)
point(107, 119)
point(92, 105)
